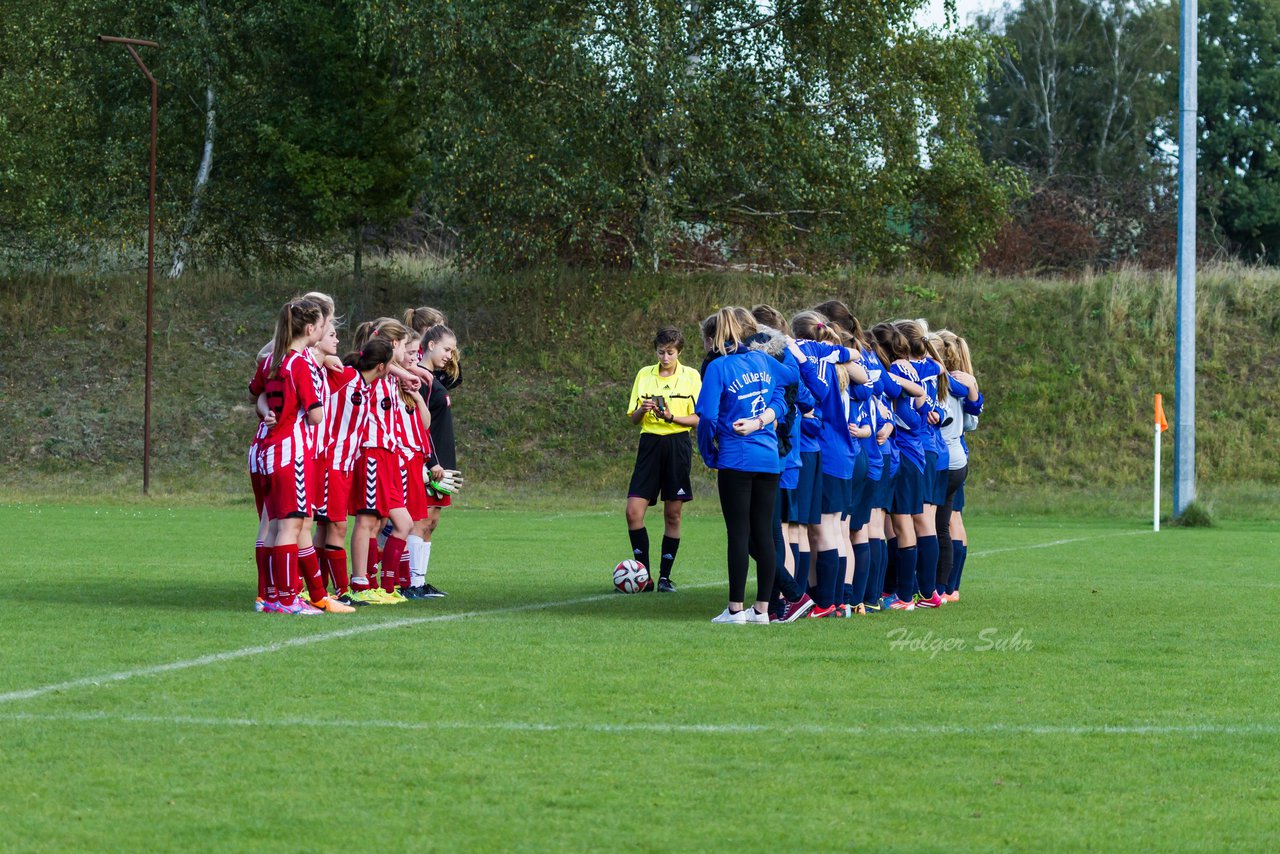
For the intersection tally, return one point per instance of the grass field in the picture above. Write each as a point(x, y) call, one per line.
point(1098, 687)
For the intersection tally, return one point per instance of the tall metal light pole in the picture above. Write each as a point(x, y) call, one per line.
point(131, 45)
point(1184, 414)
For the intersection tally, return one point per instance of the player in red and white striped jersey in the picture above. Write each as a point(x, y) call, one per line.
point(284, 380)
point(346, 416)
point(415, 444)
point(378, 483)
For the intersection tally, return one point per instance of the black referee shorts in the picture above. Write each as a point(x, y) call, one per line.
point(662, 466)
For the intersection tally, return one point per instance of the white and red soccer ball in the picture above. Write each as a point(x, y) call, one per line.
point(630, 576)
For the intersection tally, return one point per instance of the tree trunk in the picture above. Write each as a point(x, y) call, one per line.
point(179, 263)
point(357, 266)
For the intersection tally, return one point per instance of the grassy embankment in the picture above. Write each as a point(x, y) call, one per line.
point(1068, 367)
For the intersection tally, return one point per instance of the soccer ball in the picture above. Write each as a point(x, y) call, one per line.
point(630, 576)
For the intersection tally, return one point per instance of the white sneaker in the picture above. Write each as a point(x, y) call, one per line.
point(729, 617)
point(755, 617)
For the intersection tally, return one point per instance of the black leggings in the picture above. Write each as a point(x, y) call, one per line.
point(746, 500)
point(955, 480)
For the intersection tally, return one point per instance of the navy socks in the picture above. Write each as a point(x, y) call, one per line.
point(828, 575)
point(960, 551)
point(927, 568)
point(906, 588)
point(861, 573)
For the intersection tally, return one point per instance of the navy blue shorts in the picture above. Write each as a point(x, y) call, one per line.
point(803, 505)
point(860, 492)
point(908, 491)
point(836, 492)
point(932, 493)
point(957, 500)
point(882, 491)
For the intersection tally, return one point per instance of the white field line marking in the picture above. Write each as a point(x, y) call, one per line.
point(1052, 543)
point(249, 651)
point(1264, 729)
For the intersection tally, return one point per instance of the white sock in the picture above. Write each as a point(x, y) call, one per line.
point(426, 558)
point(417, 574)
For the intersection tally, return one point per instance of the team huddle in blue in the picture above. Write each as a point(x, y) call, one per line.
point(840, 460)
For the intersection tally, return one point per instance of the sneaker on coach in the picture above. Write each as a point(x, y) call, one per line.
point(665, 586)
point(430, 591)
point(797, 609)
point(754, 617)
point(727, 616)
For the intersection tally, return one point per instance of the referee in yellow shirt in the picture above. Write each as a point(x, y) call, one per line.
point(662, 402)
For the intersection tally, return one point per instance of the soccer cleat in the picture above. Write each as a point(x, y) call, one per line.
point(902, 605)
point(818, 612)
point(396, 595)
point(754, 617)
point(299, 608)
point(727, 616)
point(430, 591)
point(887, 601)
point(858, 610)
point(953, 596)
point(934, 601)
point(272, 608)
point(348, 599)
point(416, 592)
point(259, 605)
point(665, 586)
point(797, 609)
point(648, 587)
point(874, 607)
point(365, 597)
point(332, 605)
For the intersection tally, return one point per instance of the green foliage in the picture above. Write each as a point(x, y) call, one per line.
point(642, 134)
point(1240, 123)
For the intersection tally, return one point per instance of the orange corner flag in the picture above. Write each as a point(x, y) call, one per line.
point(1160, 420)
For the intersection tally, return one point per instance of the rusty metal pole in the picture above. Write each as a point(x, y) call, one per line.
point(130, 45)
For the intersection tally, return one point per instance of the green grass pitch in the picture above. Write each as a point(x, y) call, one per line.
point(1098, 687)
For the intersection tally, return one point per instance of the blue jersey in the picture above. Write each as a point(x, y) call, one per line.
point(929, 372)
point(818, 373)
point(803, 404)
point(740, 385)
point(867, 415)
point(907, 420)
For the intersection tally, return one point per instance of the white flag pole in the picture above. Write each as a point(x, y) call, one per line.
point(1155, 513)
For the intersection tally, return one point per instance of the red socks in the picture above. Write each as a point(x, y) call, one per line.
point(284, 572)
point(262, 555)
point(309, 564)
point(333, 562)
point(391, 554)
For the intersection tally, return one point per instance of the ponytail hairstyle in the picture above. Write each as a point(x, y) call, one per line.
point(423, 318)
point(373, 353)
point(812, 326)
point(840, 315)
point(767, 315)
point(933, 346)
point(391, 329)
point(890, 342)
point(815, 327)
point(915, 332)
point(955, 352)
point(733, 325)
point(292, 322)
point(361, 335)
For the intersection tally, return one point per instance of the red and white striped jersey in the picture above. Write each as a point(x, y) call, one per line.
point(316, 434)
point(380, 429)
point(257, 385)
point(291, 394)
point(346, 413)
point(409, 430)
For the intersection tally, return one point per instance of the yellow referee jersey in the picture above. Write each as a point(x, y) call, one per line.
point(680, 391)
